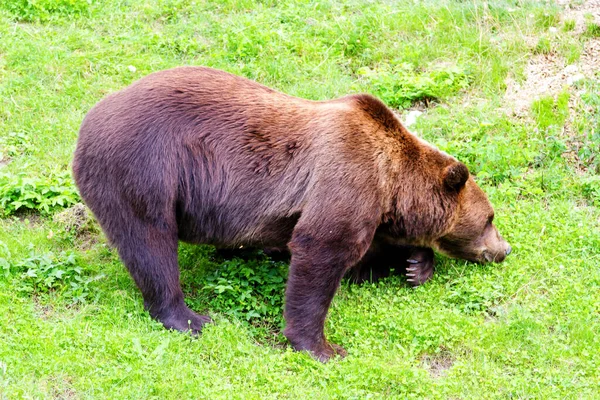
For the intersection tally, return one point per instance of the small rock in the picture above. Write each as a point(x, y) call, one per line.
point(131, 68)
point(552, 29)
point(571, 69)
point(411, 117)
point(572, 79)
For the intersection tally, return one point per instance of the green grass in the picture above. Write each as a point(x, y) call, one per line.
point(550, 113)
point(592, 29)
point(72, 324)
point(569, 25)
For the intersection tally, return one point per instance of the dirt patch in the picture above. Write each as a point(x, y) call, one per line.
point(589, 63)
point(549, 74)
point(29, 218)
point(87, 240)
point(581, 12)
point(60, 387)
point(438, 364)
point(545, 75)
point(43, 311)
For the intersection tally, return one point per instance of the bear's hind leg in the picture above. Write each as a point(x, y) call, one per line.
point(379, 262)
point(150, 254)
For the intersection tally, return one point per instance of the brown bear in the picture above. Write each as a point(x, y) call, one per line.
point(203, 156)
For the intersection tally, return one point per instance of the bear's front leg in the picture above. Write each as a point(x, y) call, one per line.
point(319, 261)
point(383, 259)
point(420, 265)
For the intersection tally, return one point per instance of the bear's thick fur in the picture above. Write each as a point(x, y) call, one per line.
point(203, 156)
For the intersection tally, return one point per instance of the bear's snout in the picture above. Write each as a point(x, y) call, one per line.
point(497, 254)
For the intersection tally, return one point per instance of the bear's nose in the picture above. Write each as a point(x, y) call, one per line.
point(508, 250)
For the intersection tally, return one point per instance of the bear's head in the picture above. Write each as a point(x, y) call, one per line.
point(471, 235)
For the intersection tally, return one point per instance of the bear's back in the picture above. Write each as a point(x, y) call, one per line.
point(229, 154)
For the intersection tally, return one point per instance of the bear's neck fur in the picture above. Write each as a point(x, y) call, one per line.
point(410, 167)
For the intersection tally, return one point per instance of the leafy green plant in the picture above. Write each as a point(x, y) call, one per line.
point(401, 85)
point(588, 145)
point(13, 144)
point(252, 290)
point(473, 295)
point(5, 255)
point(45, 273)
point(44, 194)
point(43, 10)
point(353, 43)
point(590, 187)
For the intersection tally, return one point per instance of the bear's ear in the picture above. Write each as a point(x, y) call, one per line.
point(456, 175)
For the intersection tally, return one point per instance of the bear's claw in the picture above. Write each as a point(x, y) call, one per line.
point(185, 320)
point(420, 266)
point(328, 351)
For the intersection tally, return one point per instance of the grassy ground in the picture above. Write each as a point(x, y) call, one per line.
point(72, 323)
